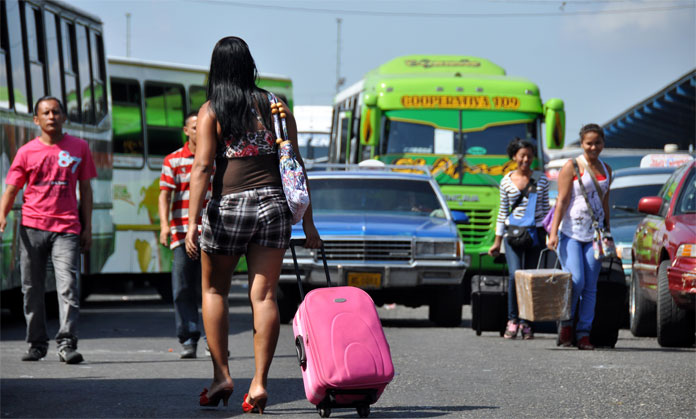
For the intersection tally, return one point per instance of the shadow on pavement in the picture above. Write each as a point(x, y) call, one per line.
point(98, 398)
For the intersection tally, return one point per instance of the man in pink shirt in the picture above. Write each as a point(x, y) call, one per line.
point(51, 165)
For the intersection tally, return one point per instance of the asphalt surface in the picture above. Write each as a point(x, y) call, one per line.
point(132, 369)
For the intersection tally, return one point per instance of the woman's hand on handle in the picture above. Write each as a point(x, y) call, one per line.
point(313, 241)
point(552, 242)
point(494, 251)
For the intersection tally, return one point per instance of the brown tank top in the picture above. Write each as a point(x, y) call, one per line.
point(248, 163)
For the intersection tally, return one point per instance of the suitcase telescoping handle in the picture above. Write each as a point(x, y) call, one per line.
point(300, 242)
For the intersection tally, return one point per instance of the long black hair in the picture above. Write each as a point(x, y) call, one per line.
point(232, 89)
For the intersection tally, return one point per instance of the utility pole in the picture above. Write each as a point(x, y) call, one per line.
point(128, 34)
point(339, 80)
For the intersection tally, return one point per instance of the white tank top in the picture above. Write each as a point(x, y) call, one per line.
point(577, 221)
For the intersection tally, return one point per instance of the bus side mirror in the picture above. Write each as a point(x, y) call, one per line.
point(554, 117)
point(369, 122)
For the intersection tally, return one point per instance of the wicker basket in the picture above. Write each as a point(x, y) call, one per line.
point(543, 294)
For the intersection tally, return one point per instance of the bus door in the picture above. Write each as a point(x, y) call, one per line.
point(345, 119)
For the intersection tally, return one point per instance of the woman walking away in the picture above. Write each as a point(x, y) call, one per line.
point(577, 223)
point(524, 201)
point(247, 215)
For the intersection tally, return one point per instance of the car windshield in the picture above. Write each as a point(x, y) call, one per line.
point(411, 137)
point(393, 196)
point(623, 202)
point(687, 197)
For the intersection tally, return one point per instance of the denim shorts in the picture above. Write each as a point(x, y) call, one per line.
point(260, 216)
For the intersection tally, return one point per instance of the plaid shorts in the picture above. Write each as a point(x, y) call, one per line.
point(260, 216)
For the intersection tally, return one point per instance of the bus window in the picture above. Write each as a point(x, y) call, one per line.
point(164, 116)
point(127, 123)
point(4, 61)
point(98, 74)
point(344, 131)
point(84, 77)
point(55, 85)
point(34, 27)
point(72, 93)
point(20, 94)
point(197, 97)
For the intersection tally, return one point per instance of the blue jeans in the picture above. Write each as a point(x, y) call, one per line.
point(578, 258)
point(526, 258)
point(35, 248)
point(186, 290)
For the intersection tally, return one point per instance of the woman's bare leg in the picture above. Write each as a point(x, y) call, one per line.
point(264, 265)
point(216, 276)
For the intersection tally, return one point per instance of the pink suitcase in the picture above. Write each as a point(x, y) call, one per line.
point(341, 348)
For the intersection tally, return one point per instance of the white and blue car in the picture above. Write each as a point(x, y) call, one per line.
point(387, 232)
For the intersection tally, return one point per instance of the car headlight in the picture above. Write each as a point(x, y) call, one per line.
point(437, 249)
point(623, 252)
point(686, 251)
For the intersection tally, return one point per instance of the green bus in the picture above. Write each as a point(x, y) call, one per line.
point(456, 115)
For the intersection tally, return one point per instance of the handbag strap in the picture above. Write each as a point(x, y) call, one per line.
point(584, 192)
point(598, 188)
point(523, 193)
point(278, 119)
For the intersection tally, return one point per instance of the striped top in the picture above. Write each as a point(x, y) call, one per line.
point(176, 175)
point(509, 194)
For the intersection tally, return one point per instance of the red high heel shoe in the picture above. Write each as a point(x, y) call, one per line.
point(255, 405)
point(214, 399)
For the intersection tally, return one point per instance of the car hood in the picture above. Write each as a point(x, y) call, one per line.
point(366, 224)
point(623, 229)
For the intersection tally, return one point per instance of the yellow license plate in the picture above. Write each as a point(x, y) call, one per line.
point(364, 279)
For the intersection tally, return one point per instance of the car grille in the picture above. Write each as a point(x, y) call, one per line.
point(481, 222)
point(367, 250)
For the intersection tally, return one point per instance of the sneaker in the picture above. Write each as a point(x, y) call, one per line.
point(565, 336)
point(188, 352)
point(527, 332)
point(35, 353)
point(69, 355)
point(584, 344)
point(207, 351)
point(511, 330)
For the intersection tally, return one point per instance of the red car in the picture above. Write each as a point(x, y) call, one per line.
point(663, 283)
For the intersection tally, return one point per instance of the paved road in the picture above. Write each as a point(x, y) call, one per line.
point(131, 371)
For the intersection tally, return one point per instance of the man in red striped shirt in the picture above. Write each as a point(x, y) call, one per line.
point(186, 272)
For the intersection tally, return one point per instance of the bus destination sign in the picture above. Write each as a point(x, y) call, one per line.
point(460, 102)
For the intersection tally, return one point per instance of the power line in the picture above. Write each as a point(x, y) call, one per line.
point(446, 15)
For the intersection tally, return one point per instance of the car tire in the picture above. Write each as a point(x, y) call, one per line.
point(674, 328)
point(642, 312)
point(446, 306)
point(288, 301)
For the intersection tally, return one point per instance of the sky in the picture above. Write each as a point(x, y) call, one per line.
point(599, 56)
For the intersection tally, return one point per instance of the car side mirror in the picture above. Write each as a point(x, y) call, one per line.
point(460, 217)
point(650, 204)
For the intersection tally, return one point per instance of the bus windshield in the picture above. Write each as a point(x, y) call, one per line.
point(423, 138)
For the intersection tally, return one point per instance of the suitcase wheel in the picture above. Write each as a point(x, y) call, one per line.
point(302, 356)
point(363, 411)
point(324, 412)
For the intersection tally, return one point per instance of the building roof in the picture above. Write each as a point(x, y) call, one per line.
point(666, 117)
